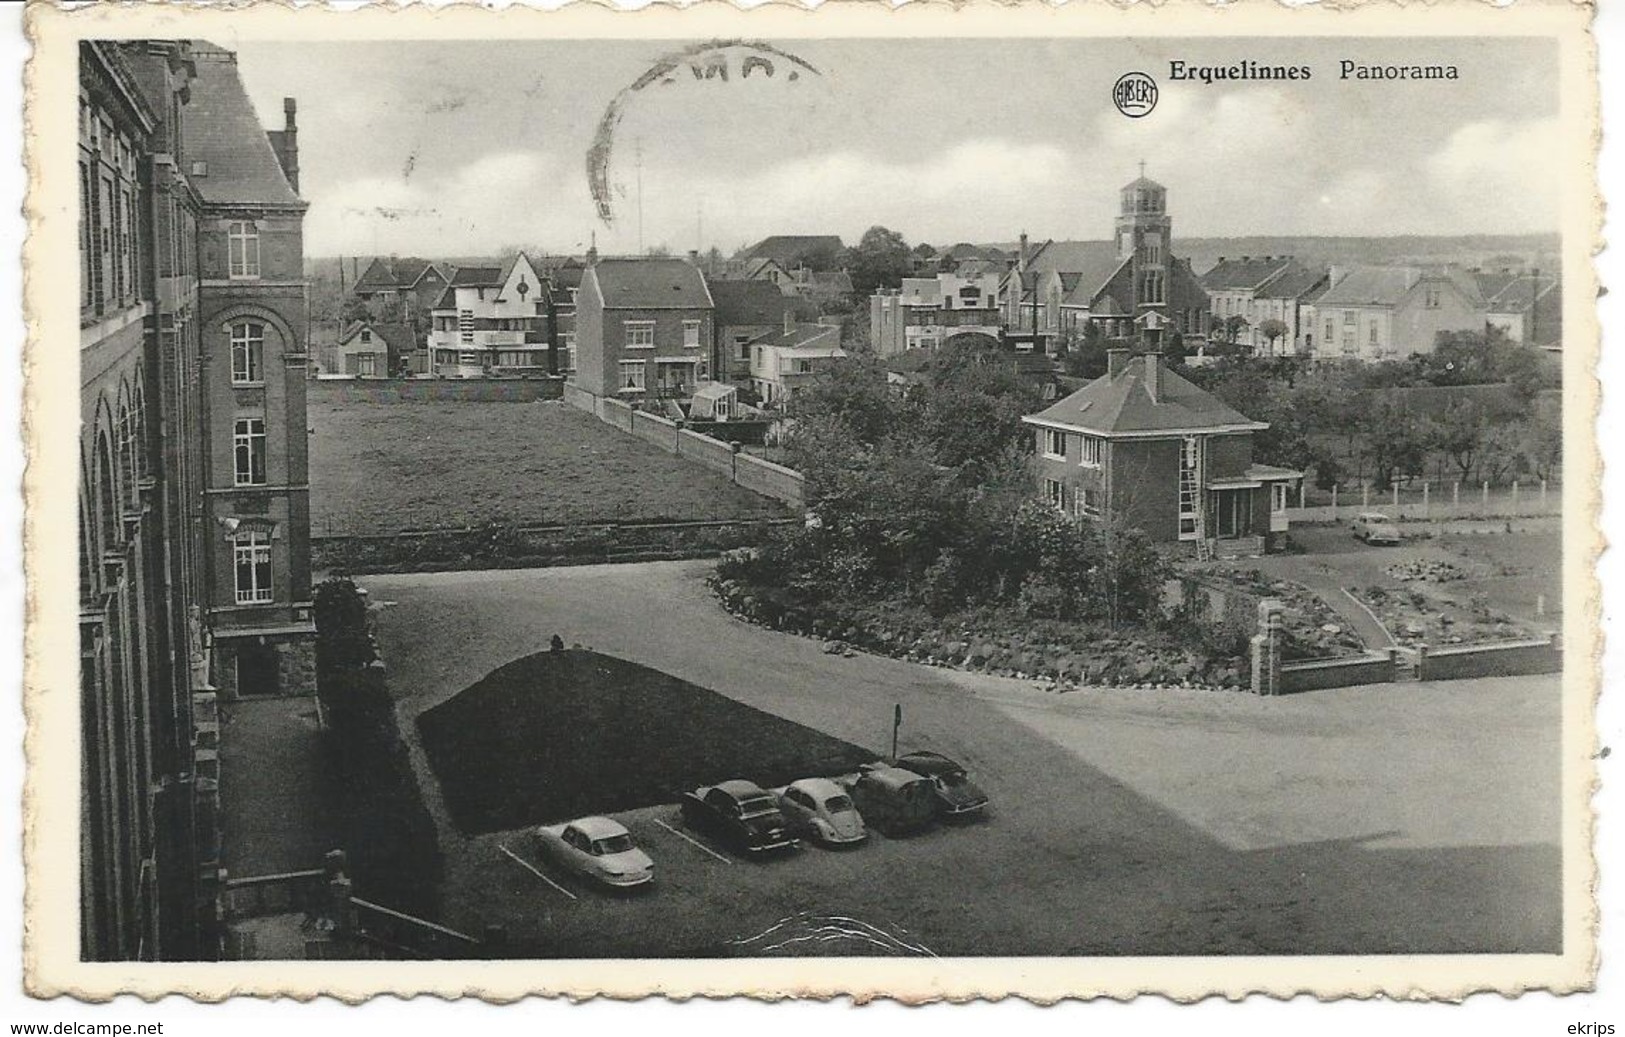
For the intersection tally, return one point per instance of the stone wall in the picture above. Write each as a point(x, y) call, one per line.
point(651, 428)
point(703, 450)
point(769, 479)
point(1508, 659)
point(1315, 674)
point(434, 390)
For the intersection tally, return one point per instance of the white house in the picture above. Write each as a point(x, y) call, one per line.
point(491, 321)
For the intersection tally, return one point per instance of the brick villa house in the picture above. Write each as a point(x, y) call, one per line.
point(1174, 460)
point(643, 328)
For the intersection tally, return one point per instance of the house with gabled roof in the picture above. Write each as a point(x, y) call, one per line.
point(376, 349)
point(1392, 312)
point(493, 322)
point(1257, 289)
point(1145, 447)
point(1526, 305)
point(644, 328)
point(745, 311)
point(411, 284)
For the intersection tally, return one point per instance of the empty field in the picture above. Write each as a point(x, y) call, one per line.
point(384, 468)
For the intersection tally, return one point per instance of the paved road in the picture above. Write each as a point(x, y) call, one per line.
point(1391, 819)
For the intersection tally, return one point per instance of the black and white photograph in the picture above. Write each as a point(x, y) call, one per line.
point(722, 495)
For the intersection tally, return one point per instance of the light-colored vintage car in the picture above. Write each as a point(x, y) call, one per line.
point(1376, 528)
point(597, 848)
point(821, 810)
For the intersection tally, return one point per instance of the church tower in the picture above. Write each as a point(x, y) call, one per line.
point(1145, 235)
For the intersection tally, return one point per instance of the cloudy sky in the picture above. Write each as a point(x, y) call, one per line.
point(463, 148)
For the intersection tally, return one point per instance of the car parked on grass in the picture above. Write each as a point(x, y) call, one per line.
point(740, 813)
point(891, 799)
point(1376, 528)
point(956, 795)
point(596, 848)
point(817, 808)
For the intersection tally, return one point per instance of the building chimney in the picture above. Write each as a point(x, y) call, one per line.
point(1153, 376)
point(285, 142)
point(1116, 360)
point(789, 320)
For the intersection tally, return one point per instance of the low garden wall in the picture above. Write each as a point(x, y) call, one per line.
point(753, 473)
point(769, 479)
point(615, 413)
point(1342, 672)
point(1498, 659)
point(433, 390)
point(510, 547)
point(652, 428)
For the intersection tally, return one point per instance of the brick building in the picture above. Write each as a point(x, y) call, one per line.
point(1144, 445)
point(643, 328)
point(193, 513)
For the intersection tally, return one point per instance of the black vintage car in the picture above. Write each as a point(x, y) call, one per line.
point(740, 814)
point(956, 795)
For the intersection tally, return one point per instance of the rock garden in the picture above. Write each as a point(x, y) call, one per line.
point(1421, 614)
point(1313, 629)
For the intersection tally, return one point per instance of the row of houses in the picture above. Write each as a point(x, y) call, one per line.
point(1136, 287)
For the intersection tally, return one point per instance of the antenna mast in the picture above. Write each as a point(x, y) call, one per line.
point(638, 143)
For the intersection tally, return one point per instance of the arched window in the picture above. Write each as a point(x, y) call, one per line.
point(106, 492)
point(126, 454)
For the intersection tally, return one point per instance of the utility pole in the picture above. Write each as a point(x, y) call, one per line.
point(638, 152)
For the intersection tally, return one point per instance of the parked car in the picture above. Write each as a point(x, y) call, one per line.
point(740, 813)
point(596, 848)
point(1376, 528)
point(820, 809)
point(893, 800)
point(956, 795)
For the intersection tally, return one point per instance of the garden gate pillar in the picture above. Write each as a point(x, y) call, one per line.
point(1266, 648)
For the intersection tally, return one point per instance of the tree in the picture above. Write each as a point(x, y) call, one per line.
point(1085, 355)
point(1458, 434)
point(1272, 329)
point(879, 260)
point(1233, 326)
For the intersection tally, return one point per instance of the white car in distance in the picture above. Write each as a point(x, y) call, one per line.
point(820, 808)
point(597, 848)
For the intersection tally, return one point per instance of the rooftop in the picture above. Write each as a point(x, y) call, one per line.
point(650, 282)
point(230, 160)
point(1124, 404)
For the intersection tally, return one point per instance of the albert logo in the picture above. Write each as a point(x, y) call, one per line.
point(1135, 94)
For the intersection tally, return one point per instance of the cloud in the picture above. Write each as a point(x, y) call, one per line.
point(1500, 175)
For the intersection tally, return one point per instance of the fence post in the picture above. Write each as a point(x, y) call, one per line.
point(1396, 502)
point(1365, 496)
point(1425, 515)
point(1334, 502)
point(1543, 495)
point(1514, 497)
point(1455, 498)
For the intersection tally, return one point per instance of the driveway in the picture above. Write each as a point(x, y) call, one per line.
point(1389, 819)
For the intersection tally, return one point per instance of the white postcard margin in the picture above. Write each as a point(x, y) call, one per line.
point(50, 417)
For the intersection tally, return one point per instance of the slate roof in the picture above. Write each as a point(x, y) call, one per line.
point(804, 339)
point(1297, 281)
point(833, 280)
point(397, 335)
point(477, 277)
point(1246, 273)
point(392, 272)
point(1122, 405)
point(1388, 285)
point(648, 283)
point(747, 302)
point(1514, 293)
point(224, 134)
point(789, 250)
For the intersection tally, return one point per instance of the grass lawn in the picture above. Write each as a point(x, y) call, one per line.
point(558, 735)
point(383, 468)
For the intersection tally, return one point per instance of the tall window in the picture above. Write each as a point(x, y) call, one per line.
point(640, 334)
point(1054, 443)
point(691, 334)
point(251, 555)
point(1055, 493)
point(87, 239)
point(247, 353)
point(243, 249)
point(1090, 452)
point(248, 442)
point(367, 365)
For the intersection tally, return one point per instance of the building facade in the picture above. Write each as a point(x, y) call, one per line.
point(1143, 446)
point(193, 539)
point(745, 311)
point(1248, 293)
point(494, 322)
point(644, 328)
point(785, 362)
point(926, 311)
point(1391, 312)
